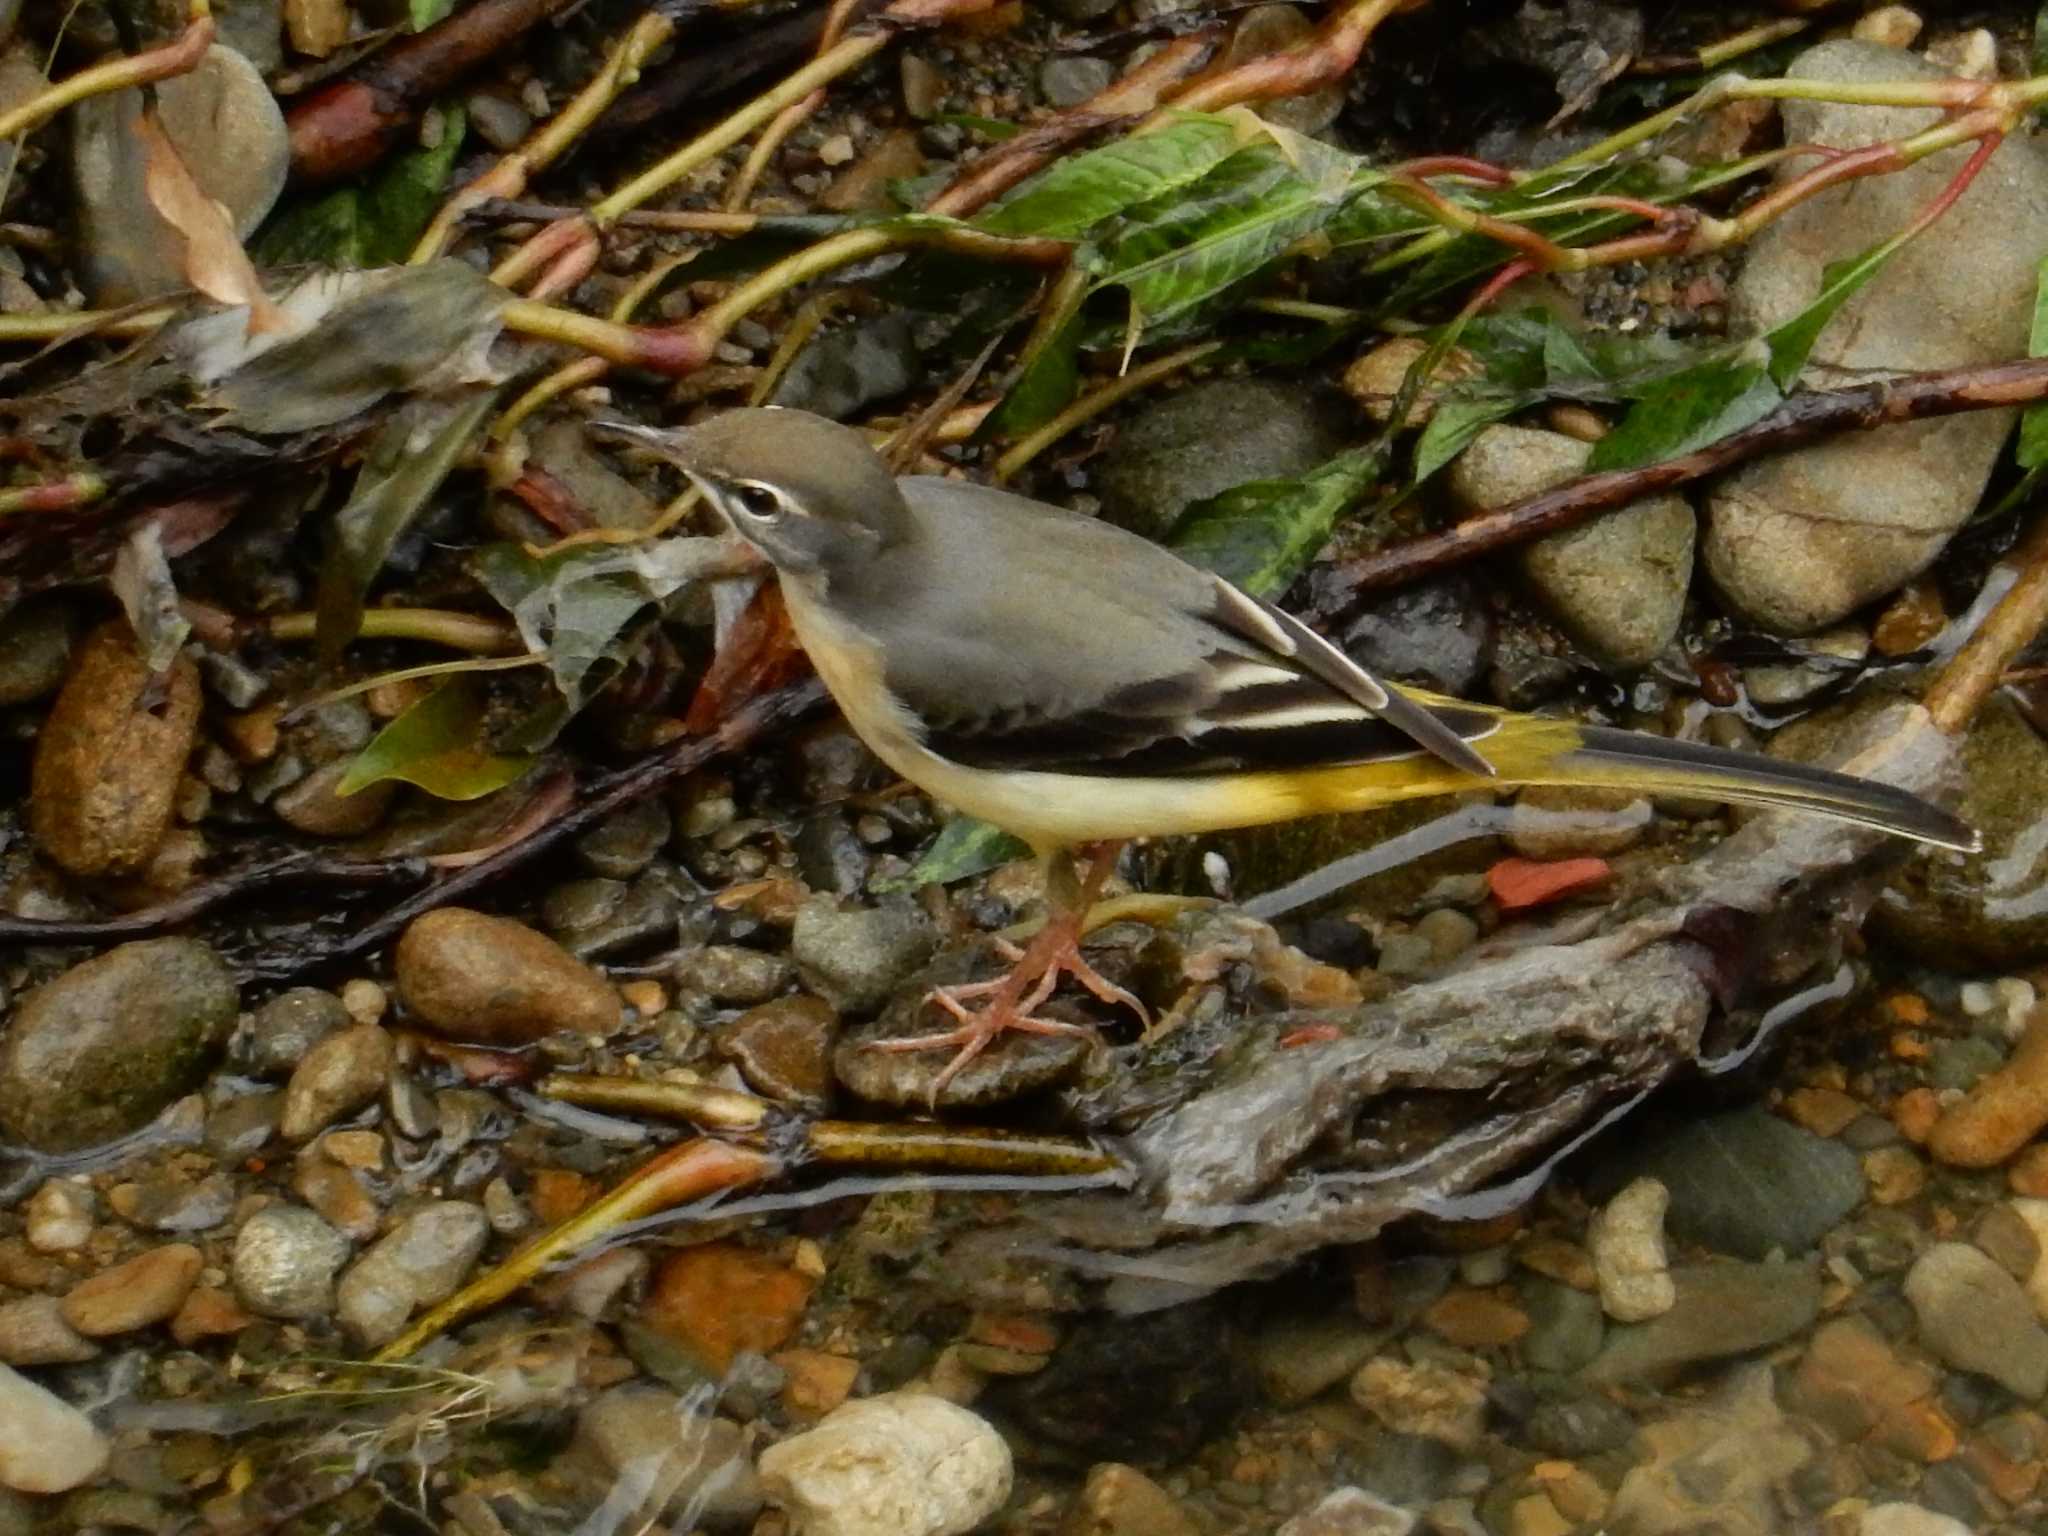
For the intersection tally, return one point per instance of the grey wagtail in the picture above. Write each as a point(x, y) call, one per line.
point(1075, 684)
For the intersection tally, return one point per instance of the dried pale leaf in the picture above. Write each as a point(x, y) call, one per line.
point(141, 579)
point(214, 261)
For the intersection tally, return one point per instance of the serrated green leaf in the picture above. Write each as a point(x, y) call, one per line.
point(437, 745)
point(1457, 419)
point(407, 461)
point(1792, 342)
point(963, 849)
point(1263, 534)
point(1077, 193)
point(2032, 451)
point(1046, 384)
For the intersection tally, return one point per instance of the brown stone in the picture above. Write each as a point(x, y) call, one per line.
point(559, 1193)
point(108, 756)
point(493, 981)
point(1476, 1319)
point(1117, 1500)
point(721, 1298)
point(1823, 1111)
point(816, 1382)
point(208, 1313)
point(864, 185)
point(1566, 1263)
point(1916, 1112)
point(147, 1289)
point(2003, 1111)
point(1852, 1383)
point(784, 1049)
point(311, 806)
point(1914, 618)
point(2028, 1174)
point(1895, 1174)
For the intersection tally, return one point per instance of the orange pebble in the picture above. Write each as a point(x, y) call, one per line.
point(1914, 1113)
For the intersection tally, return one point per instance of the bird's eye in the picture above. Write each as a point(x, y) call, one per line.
point(760, 502)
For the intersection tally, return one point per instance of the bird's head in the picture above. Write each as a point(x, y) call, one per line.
point(811, 495)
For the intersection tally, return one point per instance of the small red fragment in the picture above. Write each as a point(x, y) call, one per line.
point(1519, 883)
point(1310, 1034)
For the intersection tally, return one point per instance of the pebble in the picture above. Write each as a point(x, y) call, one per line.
point(1747, 1182)
point(2003, 1112)
point(103, 1048)
point(1579, 1426)
point(923, 87)
point(418, 1263)
point(1852, 1382)
point(1627, 1241)
point(313, 807)
point(174, 1202)
point(46, 1445)
point(1617, 584)
point(240, 1128)
point(1119, 1500)
point(147, 1289)
point(901, 1464)
point(784, 1050)
point(1475, 1319)
point(856, 957)
point(1976, 1317)
point(730, 973)
point(1555, 821)
point(284, 1263)
point(33, 1332)
point(35, 647)
point(1801, 539)
point(685, 1464)
point(1721, 1309)
point(1431, 1401)
point(343, 1073)
point(1717, 1466)
point(718, 1299)
point(625, 843)
point(1908, 1520)
point(230, 133)
point(1376, 376)
point(365, 1000)
point(105, 775)
point(1351, 1512)
point(1302, 1352)
point(1189, 446)
point(493, 981)
point(1896, 1174)
point(59, 1216)
point(1067, 80)
point(278, 1035)
point(1566, 1327)
point(208, 1313)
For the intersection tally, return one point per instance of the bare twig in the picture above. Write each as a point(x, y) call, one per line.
point(182, 53)
point(1800, 419)
point(1979, 667)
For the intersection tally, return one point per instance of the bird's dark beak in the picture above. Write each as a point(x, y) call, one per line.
point(667, 442)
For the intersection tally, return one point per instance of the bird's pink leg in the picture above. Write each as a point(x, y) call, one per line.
point(1010, 1002)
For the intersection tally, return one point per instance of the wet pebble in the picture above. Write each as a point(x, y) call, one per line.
point(108, 758)
point(240, 1128)
point(1852, 1382)
point(278, 1035)
point(1437, 633)
point(598, 916)
point(146, 1289)
point(59, 1215)
point(420, 1262)
point(312, 805)
point(1352, 1512)
point(174, 1203)
point(1976, 1317)
point(338, 1194)
point(625, 843)
point(1747, 1182)
point(345, 1072)
point(856, 957)
point(719, 1299)
point(900, 1464)
point(689, 1464)
point(104, 1047)
point(1431, 1401)
point(1562, 822)
point(1720, 1310)
point(33, 1332)
point(35, 646)
point(494, 981)
point(1119, 1500)
point(1626, 1238)
point(1908, 1520)
point(1302, 1352)
point(730, 973)
point(2003, 1112)
point(1067, 80)
point(284, 1263)
point(46, 1445)
point(784, 1049)
point(1565, 1327)
point(1016, 1064)
point(1578, 1426)
point(1716, 1465)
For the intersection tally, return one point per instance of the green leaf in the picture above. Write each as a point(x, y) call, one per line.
point(369, 226)
point(1077, 193)
point(988, 127)
point(2033, 445)
point(424, 13)
point(1792, 342)
point(1691, 408)
point(964, 848)
point(407, 461)
point(579, 606)
point(403, 199)
point(1263, 534)
point(439, 746)
point(1457, 419)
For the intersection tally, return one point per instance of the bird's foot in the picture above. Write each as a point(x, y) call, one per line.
point(987, 1010)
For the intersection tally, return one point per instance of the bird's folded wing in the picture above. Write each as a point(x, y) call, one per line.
point(1258, 691)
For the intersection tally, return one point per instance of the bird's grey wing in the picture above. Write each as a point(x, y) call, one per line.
point(1047, 662)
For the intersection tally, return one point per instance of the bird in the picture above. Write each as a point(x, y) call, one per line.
point(1078, 685)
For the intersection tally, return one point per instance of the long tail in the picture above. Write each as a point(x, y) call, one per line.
point(1656, 763)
